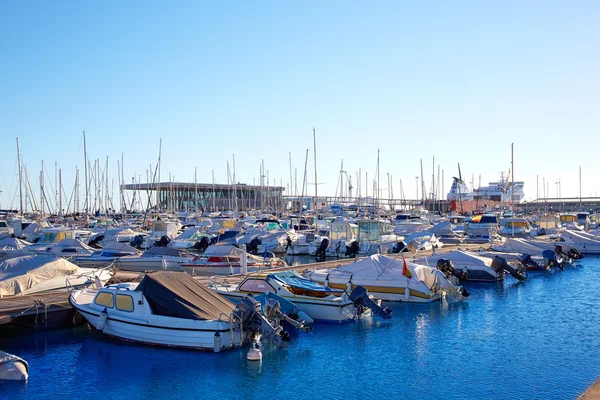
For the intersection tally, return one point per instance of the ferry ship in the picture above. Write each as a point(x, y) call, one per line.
point(500, 191)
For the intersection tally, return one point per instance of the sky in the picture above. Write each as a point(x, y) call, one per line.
point(403, 81)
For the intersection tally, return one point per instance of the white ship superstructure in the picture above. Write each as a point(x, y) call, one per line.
point(500, 191)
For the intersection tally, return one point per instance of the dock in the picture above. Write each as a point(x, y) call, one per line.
point(38, 311)
point(592, 393)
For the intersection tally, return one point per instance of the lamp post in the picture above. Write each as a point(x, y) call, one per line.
point(417, 187)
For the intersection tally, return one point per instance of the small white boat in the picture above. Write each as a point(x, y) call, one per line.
point(227, 260)
point(13, 368)
point(172, 309)
point(317, 301)
point(386, 278)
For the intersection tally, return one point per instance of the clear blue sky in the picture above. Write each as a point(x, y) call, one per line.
point(459, 80)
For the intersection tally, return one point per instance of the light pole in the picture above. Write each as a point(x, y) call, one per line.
point(417, 186)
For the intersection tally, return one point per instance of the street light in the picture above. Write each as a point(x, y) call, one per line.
point(417, 186)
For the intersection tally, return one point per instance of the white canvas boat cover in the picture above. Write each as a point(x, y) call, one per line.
point(222, 250)
point(377, 267)
point(21, 273)
point(581, 238)
point(72, 243)
point(120, 247)
point(458, 257)
point(523, 246)
point(442, 228)
point(12, 244)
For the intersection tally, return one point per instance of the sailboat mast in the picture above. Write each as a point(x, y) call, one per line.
point(87, 188)
point(20, 178)
point(315, 152)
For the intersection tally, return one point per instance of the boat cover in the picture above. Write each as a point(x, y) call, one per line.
point(376, 267)
point(524, 246)
point(458, 258)
point(12, 243)
point(177, 294)
point(163, 251)
point(21, 273)
point(291, 278)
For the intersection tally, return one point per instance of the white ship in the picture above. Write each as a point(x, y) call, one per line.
point(501, 191)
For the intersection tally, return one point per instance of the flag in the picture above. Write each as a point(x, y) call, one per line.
point(405, 271)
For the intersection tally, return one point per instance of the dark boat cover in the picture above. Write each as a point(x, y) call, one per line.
point(177, 294)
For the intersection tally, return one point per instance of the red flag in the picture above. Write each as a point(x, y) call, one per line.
point(405, 271)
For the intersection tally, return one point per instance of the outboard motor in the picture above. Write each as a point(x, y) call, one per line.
point(94, 241)
point(248, 317)
point(273, 311)
point(500, 264)
point(574, 254)
point(322, 248)
point(352, 250)
point(550, 256)
point(137, 241)
point(252, 247)
point(398, 247)
point(448, 269)
point(163, 242)
point(288, 242)
point(528, 263)
point(360, 297)
point(202, 244)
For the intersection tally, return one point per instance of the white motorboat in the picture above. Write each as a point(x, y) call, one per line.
point(172, 309)
point(317, 301)
point(110, 253)
point(227, 260)
point(27, 274)
point(13, 368)
point(385, 277)
point(155, 259)
point(473, 266)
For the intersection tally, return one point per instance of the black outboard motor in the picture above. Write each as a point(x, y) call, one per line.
point(574, 254)
point(322, 248)
point(500, 264)
point(137, 241)
point(252, 247)
point(202, 244)
point(448, 270)
point(288, 243)
point(398, 247)
point(552, 261)
point(163, 242)
point(360, 297)
point(94, 242)
point(352, 250)
point(528, 263)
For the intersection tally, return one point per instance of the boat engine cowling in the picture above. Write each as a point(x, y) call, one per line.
point(574, 254)
point(528, 263)
point(551, 259)
point(252, 247)
point(202, 244)
point(352, 250)
point(323, 246)
point(499, 264)
point(360, 297)
point(448, 269)
point(253, 320)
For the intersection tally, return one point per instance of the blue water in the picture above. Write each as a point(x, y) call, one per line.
point(538, 339)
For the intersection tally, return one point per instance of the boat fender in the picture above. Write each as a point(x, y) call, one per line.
point(217, 342)
point(326, 282)
point(349, 284)
point(102, 320)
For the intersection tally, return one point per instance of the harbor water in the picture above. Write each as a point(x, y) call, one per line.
point(537, 339)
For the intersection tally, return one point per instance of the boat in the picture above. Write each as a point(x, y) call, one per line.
point(474, 267)
point(515, 227)
point(501, 191)
point(110, 253)
point(27, 274)
point(155, 259)
point(320, 303)
point(385, 278)
point(13, 368)
point(227, 260)
point(172, 309)
point(482, 228)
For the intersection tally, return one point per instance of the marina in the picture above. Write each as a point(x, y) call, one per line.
point(303, 200)
point(425, 351)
